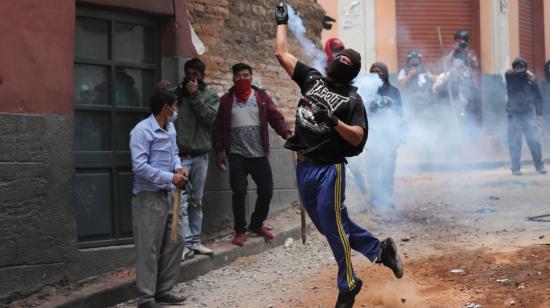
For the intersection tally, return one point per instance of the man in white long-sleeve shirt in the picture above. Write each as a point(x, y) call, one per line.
point(157, 170)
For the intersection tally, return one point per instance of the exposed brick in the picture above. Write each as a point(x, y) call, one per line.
point(244, 31)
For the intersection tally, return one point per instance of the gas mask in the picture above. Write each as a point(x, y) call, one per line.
point(462, 45)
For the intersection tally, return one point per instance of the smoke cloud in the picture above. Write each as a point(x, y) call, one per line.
point(317, 57)
point(434, 134)
point(367, 87)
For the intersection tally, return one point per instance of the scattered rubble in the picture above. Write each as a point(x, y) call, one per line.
point(288, 242)
point(507, 282)
point(485, 209)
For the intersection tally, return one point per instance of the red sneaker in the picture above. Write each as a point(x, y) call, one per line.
point(263, 231)
point(239, 239)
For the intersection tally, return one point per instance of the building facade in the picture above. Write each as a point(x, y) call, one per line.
point(75, 77)
point(501, 30)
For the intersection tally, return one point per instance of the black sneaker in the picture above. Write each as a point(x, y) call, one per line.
point(390, 258)
point(542, 171)
point(346, 300)
point(516, 172)
point(169, 298)
point(150, 304)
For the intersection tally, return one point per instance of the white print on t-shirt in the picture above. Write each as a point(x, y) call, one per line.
point(320, 92)
point(304, 118)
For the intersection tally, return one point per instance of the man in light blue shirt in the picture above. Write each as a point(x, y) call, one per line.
point(157, 170)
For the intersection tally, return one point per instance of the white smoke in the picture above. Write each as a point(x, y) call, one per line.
point(367, 87)
point(317, 57)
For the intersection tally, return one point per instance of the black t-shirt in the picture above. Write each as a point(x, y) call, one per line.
point(314, 140)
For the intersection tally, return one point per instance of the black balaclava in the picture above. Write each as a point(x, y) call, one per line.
point(547, 70)
point(519, 67)
point(343, 73)
point(385, 73)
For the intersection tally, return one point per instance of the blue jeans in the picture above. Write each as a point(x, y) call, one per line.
point(518, 125)
point(191, 200)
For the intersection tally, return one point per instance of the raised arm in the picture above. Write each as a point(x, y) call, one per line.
point(286, 60)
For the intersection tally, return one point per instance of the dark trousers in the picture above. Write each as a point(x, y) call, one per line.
point(260, 170)
point(518, 125)
point(322, 189)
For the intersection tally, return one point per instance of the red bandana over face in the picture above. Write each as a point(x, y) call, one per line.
point(243, 88)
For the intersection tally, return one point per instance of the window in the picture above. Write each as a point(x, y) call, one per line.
point(116, 64)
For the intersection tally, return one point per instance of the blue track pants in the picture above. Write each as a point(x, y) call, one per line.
point(322, 189)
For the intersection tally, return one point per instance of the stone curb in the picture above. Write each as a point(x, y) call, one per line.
point(122, 291)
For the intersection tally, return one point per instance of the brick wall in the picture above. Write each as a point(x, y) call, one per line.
point(244, 31)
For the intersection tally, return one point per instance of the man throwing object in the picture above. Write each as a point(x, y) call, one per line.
point(331, 124)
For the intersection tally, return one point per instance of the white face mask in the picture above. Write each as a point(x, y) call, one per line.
point(173, 117)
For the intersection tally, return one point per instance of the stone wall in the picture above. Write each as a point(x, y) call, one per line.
point(37, 225)
point(244, 31)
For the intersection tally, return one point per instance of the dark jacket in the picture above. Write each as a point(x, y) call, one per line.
point(386, 113)
point(221, 134)
point(390, 93)
point(195, 120)
point(523, 93)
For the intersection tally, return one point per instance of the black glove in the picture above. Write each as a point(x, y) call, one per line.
point(281, 14)
point(323, 115)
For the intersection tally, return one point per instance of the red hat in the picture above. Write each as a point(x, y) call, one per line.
point(332, 46)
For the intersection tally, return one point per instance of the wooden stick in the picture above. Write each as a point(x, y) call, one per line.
point(302, 209)
point(175, 216)
point(303, 220)
point(448, 86)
